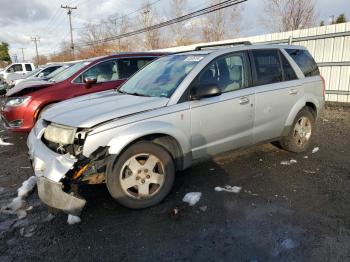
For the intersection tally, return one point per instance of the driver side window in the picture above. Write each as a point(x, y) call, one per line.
point(104, 72)
point(226, 72)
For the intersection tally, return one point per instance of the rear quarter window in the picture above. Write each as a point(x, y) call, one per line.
point(305, 61)
point(28, 67)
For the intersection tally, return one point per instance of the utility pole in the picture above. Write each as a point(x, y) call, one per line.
point(36, 39)
point(69, 13)
point(22, 53)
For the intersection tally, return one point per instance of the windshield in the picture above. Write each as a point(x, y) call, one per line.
point(69, 72)
point(161, 77)
point(57, 71)
point(33, 72)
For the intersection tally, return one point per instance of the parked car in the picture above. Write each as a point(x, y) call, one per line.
point(16, 69)
point(27, 101)
point(178, 110)
point(38, 73)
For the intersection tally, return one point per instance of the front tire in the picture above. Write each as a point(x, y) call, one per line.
point(142, 176)
point(299, 137)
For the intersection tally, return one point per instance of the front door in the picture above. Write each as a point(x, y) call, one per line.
point(224, 122)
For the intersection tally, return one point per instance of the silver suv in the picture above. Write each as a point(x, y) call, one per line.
point(179, 109)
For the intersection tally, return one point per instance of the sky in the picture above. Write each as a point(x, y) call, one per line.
point(21, 19)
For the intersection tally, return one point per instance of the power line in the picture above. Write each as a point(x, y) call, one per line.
point(200, 12)
point(116, 18)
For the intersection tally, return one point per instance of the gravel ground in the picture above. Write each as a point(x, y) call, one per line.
point(297, 212)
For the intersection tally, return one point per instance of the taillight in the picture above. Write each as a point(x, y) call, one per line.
point(324, 86)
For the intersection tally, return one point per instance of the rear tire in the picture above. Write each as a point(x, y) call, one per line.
point(142, 176)
point(300, 134)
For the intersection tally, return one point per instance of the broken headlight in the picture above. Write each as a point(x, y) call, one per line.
point(59, 134)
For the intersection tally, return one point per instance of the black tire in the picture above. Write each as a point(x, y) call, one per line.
point(114, 175)
point(290, 142)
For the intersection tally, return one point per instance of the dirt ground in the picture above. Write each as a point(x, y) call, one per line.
point(298, 212)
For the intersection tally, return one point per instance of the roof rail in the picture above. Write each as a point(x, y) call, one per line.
point(225, 44)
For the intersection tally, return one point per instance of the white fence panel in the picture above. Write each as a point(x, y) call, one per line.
point(329, 45)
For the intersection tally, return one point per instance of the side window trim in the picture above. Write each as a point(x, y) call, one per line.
point(281, 56)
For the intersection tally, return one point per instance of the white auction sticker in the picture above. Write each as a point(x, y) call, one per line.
point(194, 58)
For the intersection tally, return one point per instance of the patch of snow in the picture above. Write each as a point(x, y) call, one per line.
point(192, 198)
point(315, 150)
point(288, 162)
point(16, 204)
point(230, 189)
point(28, 232)
point(27, 187)
point(289, 244)
point(3, 143)
point(73, 219)
point(203, 208)
point(21, 214)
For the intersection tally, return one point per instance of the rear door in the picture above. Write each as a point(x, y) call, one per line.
point(277, 90)
point(225, 122)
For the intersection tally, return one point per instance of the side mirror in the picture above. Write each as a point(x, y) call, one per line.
point(205, 91)
point(41, 74)
point(89, 81)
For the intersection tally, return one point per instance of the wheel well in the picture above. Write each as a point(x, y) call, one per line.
point(312, 108)
point(38, 111)
point(167, 142)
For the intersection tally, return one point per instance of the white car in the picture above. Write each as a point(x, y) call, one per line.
point(15, 70)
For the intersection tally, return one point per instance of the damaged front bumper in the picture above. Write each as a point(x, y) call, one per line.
point(51, 168)
point(51, 194)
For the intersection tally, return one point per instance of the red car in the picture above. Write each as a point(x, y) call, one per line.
point(25, 102)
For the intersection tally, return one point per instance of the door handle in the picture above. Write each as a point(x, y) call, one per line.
point(244, 100)
point(293, 91)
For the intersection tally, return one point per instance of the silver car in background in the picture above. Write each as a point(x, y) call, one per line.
point(180, 109)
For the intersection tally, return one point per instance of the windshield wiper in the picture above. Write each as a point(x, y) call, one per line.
point(132, 94)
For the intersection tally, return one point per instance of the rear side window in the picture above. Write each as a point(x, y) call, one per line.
point(268, 67)
point(288, 70)
point(28, 67)
point(129, 66)
point(49, 70)
point(305, 61)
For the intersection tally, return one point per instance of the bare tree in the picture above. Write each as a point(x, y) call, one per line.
point(182, 31)
point(221, 24)
point(147, 18)
point(287, 15)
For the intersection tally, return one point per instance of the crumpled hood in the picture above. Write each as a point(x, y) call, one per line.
point(25, 85)
point(90, 110)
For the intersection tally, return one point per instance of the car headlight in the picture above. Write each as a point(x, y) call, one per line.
point(18, 101)
point(59, 134)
